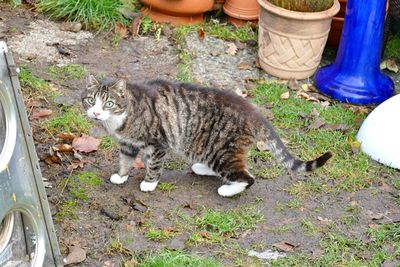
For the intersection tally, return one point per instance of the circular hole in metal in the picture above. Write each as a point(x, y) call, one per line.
point(8, 126)
point(6, 229)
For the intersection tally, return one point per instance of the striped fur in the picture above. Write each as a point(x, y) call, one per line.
point(209, 126)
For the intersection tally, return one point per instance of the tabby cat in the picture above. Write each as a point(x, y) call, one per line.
point(212, 127)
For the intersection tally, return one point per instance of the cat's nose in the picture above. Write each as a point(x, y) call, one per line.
point(96, 114)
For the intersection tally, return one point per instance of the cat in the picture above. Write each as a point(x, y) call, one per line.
point(213, 128)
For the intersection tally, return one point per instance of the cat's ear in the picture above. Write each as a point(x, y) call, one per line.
point(91, 81)
point(119, 87)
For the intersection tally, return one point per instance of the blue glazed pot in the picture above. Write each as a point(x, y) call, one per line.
point(355, 77)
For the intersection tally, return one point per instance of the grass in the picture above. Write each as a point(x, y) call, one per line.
point(214, 226)
point(393, 47)
point(116, 247)
point(339, 250)
point(169, 258)
point(28, 79)
point(66, 209)
point(68, 120)
point(166, 187)
point(347, 170)
point(159, 234)
point(175, 165)
point(67, 72)
point(96, 14)
point(108, 143)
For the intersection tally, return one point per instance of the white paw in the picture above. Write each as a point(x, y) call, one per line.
point(201, 169)
point(147, 187)
point(116, 179)
point(228, 190)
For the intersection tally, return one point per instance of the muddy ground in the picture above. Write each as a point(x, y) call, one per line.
point(122, 212)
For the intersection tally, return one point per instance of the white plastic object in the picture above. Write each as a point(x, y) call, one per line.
point(380, 133)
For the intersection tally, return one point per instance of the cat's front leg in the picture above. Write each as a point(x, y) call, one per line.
point(153, 169)
point(127, 154)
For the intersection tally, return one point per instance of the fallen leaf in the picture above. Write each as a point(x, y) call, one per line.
point(205, 234)
point(336, 127)
point(121, 30)
point(135, 26)
point(131, 263)
point(316, 124)
point(138, 163)
point(314, 113)
point(244, 66)
point(110, 214)
point(109, 263)
point(40, 113)
point(201, 34)
point(75, 165)
point(324, 220)
point(373, 226)
point(262, 146)
point(86, 144)
point(232, 49)
point(67, 136)
point(392, 66)
point(62, 148)
point(293, 84)
point(325, 104)
point(305, 87)
point(389, 64)
point(354, 145)
point(268, 114)
point(239, 92)
point(284, 246)
point(267, 255)
point(188, 206)
point(307, 97)
point(76, 255)
point(375, 216)
point(285, 95)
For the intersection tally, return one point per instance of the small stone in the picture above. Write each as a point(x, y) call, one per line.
point(178, 243)
point(65, 101)
point(71, 26)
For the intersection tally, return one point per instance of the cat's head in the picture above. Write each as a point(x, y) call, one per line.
point(103, 100)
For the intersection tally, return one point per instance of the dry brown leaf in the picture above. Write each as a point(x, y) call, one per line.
point(67, 136)
point(135, 26)
point(316, 124)
point(109, 263)
point(284, 246)
point(52, 159)
point(121, 30)
point(205, 234)
point(307, 97)
point(337, 127)
point(392, 66)
point(76, 255)
point(244, 66)
point(262, 146)
point(86, 144)
point(285, 95)
point(138, 163)
point(63, 148)
point(201, 34)
point(232, 49)
point(40, 113)
point(75, 165)
point(131, 263)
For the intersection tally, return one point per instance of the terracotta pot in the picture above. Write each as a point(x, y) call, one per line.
point(291, 43)
point(176, 12)
point(240, 12)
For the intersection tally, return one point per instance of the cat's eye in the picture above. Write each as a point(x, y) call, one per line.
point(109, 104)
point(90, 100)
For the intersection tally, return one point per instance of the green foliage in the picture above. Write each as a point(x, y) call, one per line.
point(28, 79)
point(67, 72)
point(108, 143)
point(177, 259)
point(67, 209)
point(303, 5)
point(166, 187)
point(393, 47)
point(350, 171)
point(68, 120)
point(96, 14)
point(89, 178)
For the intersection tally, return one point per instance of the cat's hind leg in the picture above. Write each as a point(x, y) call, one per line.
point(153, 170)
point(236, 182)
point(127, 154)
point(202, 169)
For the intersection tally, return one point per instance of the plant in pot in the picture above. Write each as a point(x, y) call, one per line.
point(293, 34)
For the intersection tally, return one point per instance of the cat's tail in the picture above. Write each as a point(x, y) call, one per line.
point(285, 158)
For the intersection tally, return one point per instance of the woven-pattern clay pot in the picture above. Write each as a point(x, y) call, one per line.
point(291, 43)
point(176, 12)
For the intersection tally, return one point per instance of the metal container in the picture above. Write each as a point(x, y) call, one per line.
point(27, 236)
